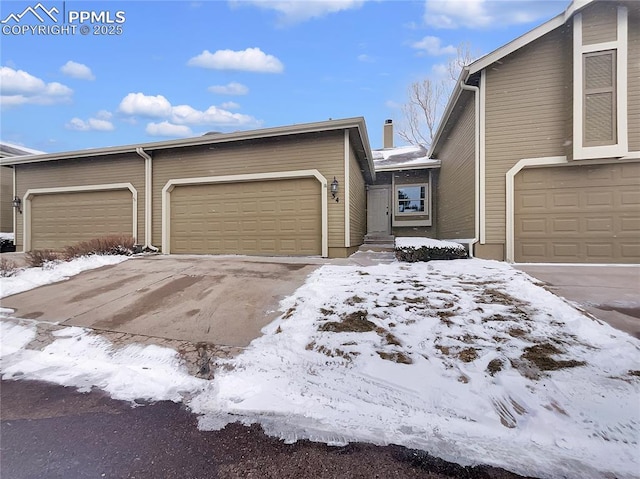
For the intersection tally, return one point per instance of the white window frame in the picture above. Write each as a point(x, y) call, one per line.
point(425, 199)
point(621, 147)
point(412, 219)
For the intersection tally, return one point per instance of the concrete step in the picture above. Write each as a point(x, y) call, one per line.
point(377, 247)
point(379, 239)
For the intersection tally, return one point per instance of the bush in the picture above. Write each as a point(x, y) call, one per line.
point(7, 268)
point(428, 253)
point(40, 257)
point(7, 246)
point(108, 245)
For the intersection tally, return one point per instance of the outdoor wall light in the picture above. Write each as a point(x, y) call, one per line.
point(17, 204)
point(334, 189)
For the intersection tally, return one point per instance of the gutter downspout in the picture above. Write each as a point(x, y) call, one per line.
point(147, 197)
point(476, 95)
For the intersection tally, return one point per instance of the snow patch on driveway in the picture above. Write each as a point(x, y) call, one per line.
point(30, 278)
point(469, 360)
point(84, 360)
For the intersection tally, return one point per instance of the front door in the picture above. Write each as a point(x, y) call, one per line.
point(378, 210)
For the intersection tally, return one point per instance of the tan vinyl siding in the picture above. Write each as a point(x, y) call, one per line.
point(322, 151)
point(94, 171)
point(357, 201)
point(6, 197)
point(633, 74)
point(599, 23)
point(526, 96)
point(456, 182)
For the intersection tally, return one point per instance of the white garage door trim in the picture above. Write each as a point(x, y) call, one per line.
point(510, 193)
point(29, 194)
point(277, 175)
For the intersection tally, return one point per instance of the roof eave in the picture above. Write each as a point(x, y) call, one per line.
point(429, 166)
point(500, 53)
point(357, 122)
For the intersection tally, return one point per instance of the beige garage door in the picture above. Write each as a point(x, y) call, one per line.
point(278, 217)
point(62, 219)
point(581, 214)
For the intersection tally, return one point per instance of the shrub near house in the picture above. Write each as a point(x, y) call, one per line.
point(412, 250)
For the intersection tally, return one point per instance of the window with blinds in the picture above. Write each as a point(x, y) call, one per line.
point(599, 93)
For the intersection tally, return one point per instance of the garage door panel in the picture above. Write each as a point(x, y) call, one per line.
point(578, 214)
point(277, 217)
point(63, 219)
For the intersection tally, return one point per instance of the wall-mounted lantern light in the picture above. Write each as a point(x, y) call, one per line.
point(17, 204)
point(334, 189)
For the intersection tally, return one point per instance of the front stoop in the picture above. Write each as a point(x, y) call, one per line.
point(377, 242)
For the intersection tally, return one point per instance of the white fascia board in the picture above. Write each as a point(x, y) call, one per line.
point(276, 175)
point(528, 37)
point(347, 191)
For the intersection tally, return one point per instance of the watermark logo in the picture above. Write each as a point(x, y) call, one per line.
point(39, 11)
point(39, 19)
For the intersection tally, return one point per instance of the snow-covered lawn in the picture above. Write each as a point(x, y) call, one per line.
point(467, 359)
point(30, 278)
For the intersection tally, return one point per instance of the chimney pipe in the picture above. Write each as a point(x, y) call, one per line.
point(387, 134)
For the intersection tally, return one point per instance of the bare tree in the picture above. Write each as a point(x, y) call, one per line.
point(427, 100)
point(422, 111)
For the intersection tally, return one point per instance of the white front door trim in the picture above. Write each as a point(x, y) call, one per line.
point(275, 175)
point(510, 201)
point(29, 194)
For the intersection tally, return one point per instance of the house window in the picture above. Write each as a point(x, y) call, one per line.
point(411, 200)
point(599, 96)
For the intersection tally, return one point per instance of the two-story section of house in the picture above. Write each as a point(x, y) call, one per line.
point(540, 143)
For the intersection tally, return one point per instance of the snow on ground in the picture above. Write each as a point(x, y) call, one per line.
point(84, 360)
point(469, 360)
point(29, 278)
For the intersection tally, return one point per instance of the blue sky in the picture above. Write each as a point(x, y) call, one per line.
point(182, 68)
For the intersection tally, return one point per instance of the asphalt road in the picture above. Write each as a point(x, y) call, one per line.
point(49, 431)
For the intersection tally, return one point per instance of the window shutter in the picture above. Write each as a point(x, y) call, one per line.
point(599, 98)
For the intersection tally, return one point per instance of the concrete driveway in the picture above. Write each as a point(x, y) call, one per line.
point(610, 293)
point(219, 300)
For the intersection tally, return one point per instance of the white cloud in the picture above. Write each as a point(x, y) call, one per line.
point(187, 115)
point(230, 105)
point(233, 88)
point(440, 71)
point(392, 104)
point(145, 105)
point(177, 119)
point(486, 13)
point(296, 11)
point(251, 59)
point(77, 70)
point(92, 124)
point(18, 87)
point(365, 58)
point(433, 46)
point(104, 115)
point(166, 128)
